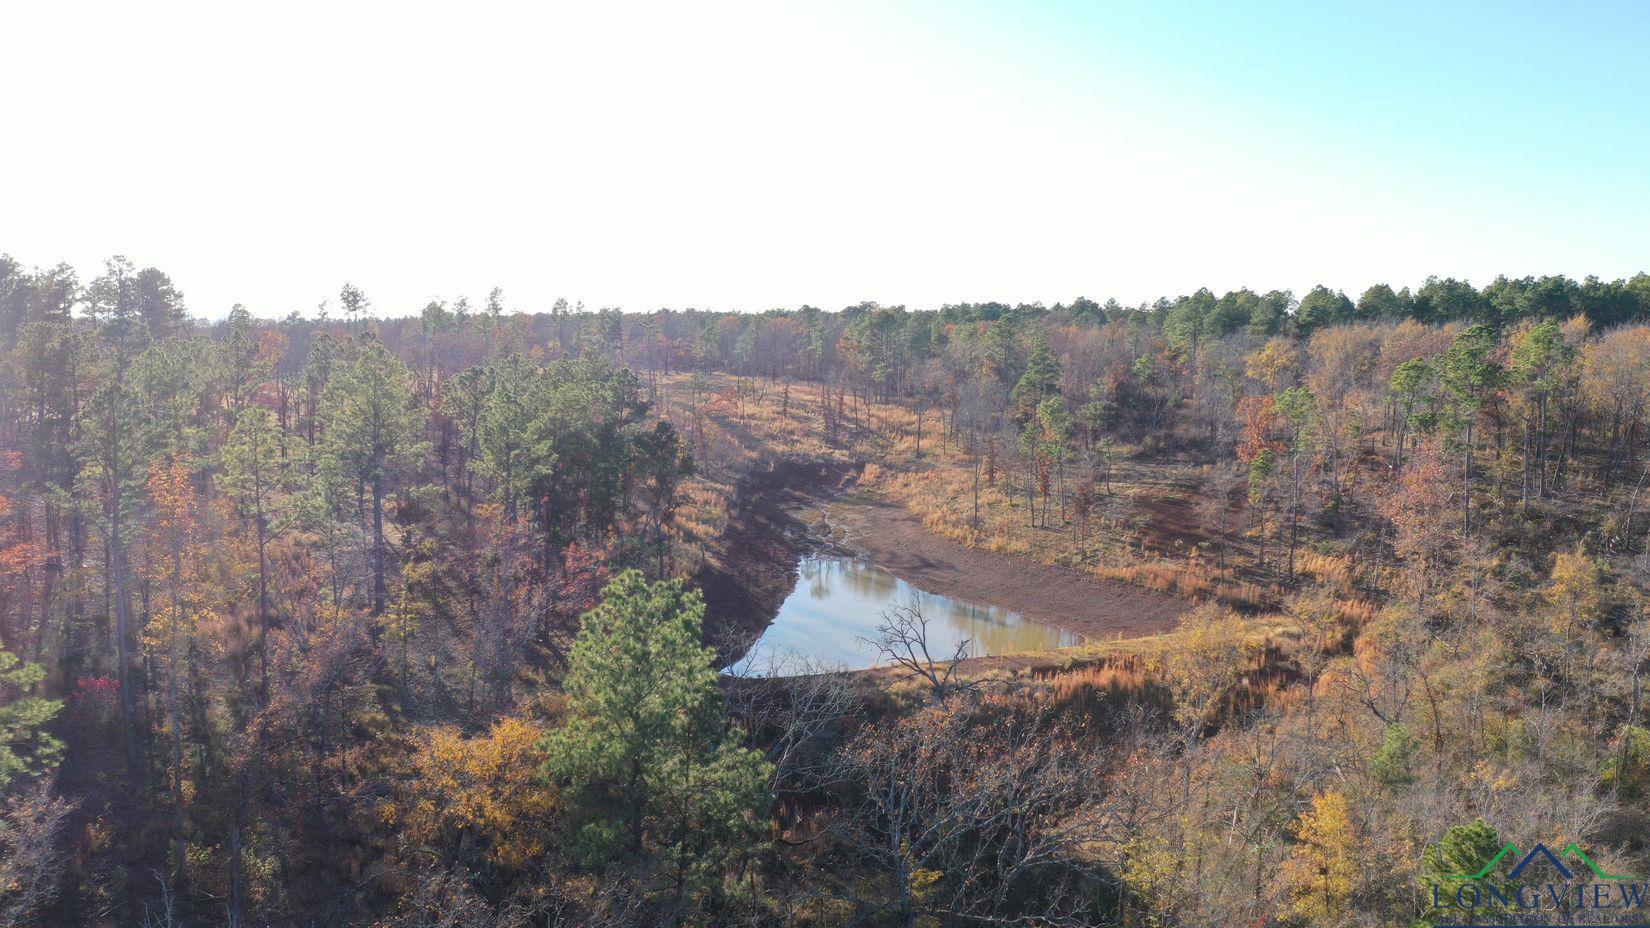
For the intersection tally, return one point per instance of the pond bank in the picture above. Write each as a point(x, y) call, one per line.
point(837, 613)
point(752, 569)
point(1099, 610)
point(752, 566)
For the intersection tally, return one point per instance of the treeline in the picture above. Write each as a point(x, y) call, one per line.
point(1530, 406)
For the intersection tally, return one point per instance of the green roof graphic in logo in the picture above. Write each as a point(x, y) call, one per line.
point(1572, 851)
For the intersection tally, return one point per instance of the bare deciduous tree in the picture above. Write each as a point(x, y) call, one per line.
point(31, 854)
point(902, 638)
point(977, 811)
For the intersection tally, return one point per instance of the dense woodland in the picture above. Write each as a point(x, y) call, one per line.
point(354, 618)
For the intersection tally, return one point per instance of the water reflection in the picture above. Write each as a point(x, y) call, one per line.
point(830, 622)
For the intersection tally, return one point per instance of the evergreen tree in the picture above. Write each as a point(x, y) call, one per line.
point(252, 478)
point(1322, 307)
point(1468, 377)
point(1410, 384)
point(355, 303)
point(1041, 379)
point(1534, 367)
point(373, 426)
point(663, 463)
point(26, 748)
point(513, 454)
point(1390, 766)
point(1380, 302)
point(649, 762)
point(1464, 850)
point(113, 445)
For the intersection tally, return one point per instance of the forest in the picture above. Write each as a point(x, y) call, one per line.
point(380, 617)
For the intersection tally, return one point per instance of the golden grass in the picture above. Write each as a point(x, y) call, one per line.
point(1087, 687)
point(1191, 581)
point(1333, 570)
point(1356, 612)
point(734, 422)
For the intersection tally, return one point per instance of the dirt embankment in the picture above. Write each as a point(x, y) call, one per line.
point(752, 567)
point(1092, 607)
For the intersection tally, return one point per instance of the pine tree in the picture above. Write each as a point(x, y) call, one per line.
point(648, 760)
point(1390, 766)
point(355, 303)
point(114, 447)
point(1409, 385)
point(1468, 376)
point(664, 463)
point(512, 452)
point(373, 427)
point(252, 478)
point(26, 748)
point(1041, 379)
point(1463, 850)
point(1533, 367)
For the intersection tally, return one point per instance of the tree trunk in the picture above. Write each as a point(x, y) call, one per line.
point(1466, 484)
point(378, 591)
point(123, 626)
point(263, 604)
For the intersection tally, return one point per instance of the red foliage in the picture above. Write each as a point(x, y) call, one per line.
point(95, 691)
point(1260, 418)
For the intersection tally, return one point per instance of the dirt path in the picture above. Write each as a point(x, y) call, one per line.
point(1096, 609)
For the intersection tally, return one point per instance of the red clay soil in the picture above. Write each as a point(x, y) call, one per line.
point(1172, 524)
point(1097, 609)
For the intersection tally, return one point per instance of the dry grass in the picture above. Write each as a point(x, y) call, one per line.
point(1109, 682)
point(1356, 612)
point(1332, 570)
point(733, 422)
point(1121, 678)
point(1191, 581)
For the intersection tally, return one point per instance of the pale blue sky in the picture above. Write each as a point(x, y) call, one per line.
point(1556, 95)
point(753, 154)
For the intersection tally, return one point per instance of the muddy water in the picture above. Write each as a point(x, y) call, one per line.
point(830, 621)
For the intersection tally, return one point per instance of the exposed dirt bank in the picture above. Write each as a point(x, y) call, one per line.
point(752, 567)
point(1097, 609)
point(788, 506)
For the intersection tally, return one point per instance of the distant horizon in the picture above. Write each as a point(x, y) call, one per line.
point(478, 300)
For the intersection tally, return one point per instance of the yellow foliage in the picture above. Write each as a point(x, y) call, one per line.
point(923, 882)
point(1274, 363)
point(1149, 869)
point(486, 788)
point(1576, 591)
point(1321, 871)
point(1203, 662)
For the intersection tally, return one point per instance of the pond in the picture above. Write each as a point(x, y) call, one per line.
point(830, 622)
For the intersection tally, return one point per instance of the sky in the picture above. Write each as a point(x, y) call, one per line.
point(734, 155)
